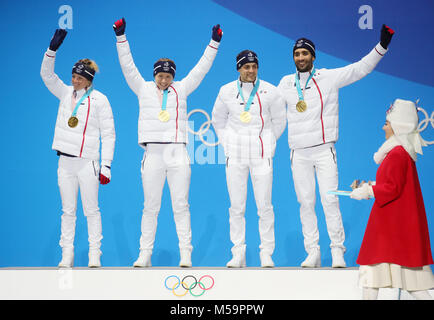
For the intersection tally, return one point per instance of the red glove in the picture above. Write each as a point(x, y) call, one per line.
point(103, 179)
point(104, 175)
point(119, 27)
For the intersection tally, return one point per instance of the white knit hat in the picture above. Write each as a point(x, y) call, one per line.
point(404, 120)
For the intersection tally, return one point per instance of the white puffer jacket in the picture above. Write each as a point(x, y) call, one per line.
point(320, 122)
point(150, 128)
point(95, 119)
point(256, 139)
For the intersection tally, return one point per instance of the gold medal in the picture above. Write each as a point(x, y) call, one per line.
point(72, 122)
point(163, 116)
point(301, 106)
point(245, 117)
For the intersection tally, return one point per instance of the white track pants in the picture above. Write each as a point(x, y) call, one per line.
point(261, 173)
point(161, 161)
point(305, 163)
point(74, 174)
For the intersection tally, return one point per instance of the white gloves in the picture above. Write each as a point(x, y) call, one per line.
point(363, 192)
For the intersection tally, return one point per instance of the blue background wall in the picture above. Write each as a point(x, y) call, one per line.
point(30, 206)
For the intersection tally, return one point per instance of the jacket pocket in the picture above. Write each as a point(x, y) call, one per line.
point(333, 154)
point(95, 169)
point(142, 163)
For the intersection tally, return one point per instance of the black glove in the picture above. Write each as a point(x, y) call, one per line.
point(217, 33)
point(57, 39)
point(119, 27)
point(386, 36)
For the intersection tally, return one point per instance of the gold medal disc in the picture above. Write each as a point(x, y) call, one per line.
point(301, 106)
point(163, 116)
point(245, 117)
point(72, 122)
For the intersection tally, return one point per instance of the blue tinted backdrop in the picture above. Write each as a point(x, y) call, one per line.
point(343, 31)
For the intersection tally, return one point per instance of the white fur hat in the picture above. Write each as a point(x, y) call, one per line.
point(403, 117)
point(404, 120)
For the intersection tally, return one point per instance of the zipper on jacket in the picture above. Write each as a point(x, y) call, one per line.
point(322, 107)
point(177, 105)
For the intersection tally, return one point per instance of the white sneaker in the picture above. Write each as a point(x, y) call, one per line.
point(94, 259)
point(313, 259)
point(266, 261)
point(237, 261)
point(67, 259)
point(338, 258)
point(144, 259)
point(185, 261)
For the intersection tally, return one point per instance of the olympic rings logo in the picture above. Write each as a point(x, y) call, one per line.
point(203, 128)
point(424, 123)
point(207, 124)
point(189, 284)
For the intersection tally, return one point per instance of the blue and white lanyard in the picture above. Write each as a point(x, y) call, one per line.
point(87, 93)
point(297, 84)
point(252, 94)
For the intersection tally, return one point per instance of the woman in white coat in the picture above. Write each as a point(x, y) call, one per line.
point(84, 121)
point(162, 132)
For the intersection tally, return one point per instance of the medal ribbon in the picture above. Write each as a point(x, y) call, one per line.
point(252, 94)
point(297, 84)
point(164, 103)
point(87, 93)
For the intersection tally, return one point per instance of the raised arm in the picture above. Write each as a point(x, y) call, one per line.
point(132, 75)
point(353, 72)
point(51, 80)
point(196, 75)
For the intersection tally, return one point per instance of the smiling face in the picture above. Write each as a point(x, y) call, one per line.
point(163, 80)
point(248, 72)
point(303, 60)
point(79, 82)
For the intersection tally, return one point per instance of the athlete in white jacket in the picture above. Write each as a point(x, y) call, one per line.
point(312, 99)
point(84, 121)
point(163, 134)
point(249, 116)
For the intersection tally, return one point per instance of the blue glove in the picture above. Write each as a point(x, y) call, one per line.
point(57, 39)
point(217, 33)
point(119, 27)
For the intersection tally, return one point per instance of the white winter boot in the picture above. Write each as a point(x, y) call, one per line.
point(144, 259)
point(237, 261)
point(238, 258)
point(266, 261)
point(67, 258)
point(338, 258)
point(185, 260)
point(94, 258)
point(313, 259)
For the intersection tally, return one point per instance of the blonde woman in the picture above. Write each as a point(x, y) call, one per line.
point(84, 121)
